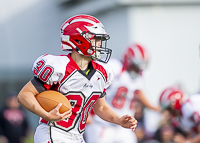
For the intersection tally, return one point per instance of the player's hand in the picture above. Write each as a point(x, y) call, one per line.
point(55, 115)
point(128, 121)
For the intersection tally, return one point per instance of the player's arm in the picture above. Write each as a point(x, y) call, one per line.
point(143, 99)
point(26, 98)
point(104, 111)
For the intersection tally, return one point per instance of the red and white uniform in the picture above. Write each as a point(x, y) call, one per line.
point(119, 96)
point(62, 74)
point(190, 113)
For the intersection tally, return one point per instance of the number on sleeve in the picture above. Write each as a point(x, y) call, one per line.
point(42, 71)
point(39, 66)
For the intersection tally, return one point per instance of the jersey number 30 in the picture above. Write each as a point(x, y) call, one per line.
point(43, 71)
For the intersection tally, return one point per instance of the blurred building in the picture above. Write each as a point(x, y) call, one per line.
point(169, 29)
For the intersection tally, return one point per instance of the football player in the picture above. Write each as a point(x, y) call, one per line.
point(127, 87)
point(184, 112)
point(81, 76)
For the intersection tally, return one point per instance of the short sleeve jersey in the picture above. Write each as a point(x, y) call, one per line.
point(62, 74)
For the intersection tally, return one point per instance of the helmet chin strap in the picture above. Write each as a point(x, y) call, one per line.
point(94, 54)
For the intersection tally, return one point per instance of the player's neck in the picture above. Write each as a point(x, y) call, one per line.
point(81, 60)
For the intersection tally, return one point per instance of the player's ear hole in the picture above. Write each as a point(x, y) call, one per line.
point(78, 41)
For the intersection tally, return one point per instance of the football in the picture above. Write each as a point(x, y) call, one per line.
point(50, 99)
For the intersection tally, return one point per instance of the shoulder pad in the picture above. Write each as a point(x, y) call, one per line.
point(50, 68)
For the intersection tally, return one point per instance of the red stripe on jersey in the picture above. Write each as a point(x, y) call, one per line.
point(104, 90)
point(92, 112)
point(96, 66)
point(71, 66)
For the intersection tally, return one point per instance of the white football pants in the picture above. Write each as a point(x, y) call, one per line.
point(47, 134)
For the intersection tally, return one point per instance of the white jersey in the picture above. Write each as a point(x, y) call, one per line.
point(121, 93)
point(62, 74)
point(190, 112)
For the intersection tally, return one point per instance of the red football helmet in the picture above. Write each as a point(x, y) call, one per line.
point(76, 34)
point(172, 97)
point(136, 55)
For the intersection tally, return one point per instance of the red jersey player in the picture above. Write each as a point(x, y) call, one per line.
point(81, 76)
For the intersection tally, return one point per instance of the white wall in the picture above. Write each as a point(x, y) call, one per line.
point(172, 35)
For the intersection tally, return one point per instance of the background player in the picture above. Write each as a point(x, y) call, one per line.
point(127, 88)
point(79, 76)
point(183, 114)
